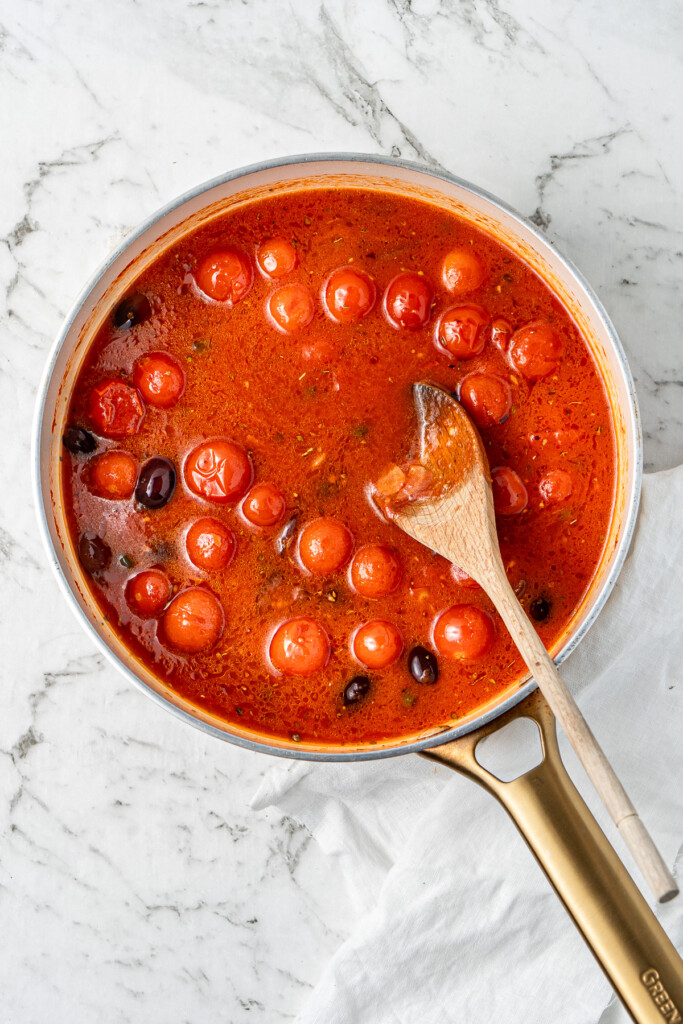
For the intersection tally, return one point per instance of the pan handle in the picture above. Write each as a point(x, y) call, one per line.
point(599, 894)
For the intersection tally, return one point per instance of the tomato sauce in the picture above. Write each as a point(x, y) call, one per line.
point(228, 424)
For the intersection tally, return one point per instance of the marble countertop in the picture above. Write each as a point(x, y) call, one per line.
point(135, 881)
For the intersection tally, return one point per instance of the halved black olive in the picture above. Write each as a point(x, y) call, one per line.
point(540, 609)
point(94, 553)
point(134, 309)
point(423, 665)
point(356, 689)
point(78, 441)
point(156, 483)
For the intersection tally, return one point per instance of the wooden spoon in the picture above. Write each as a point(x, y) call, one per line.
point(454, 516)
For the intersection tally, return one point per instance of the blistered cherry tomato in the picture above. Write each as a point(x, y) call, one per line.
point(408, 301)
point(349, 294)
point(462, 579)
point(210, 545)
point(218, 470)
point(224, 276)
point(459, 331)
point(463, 632)
point(276, 257)
point(264, 505)
point(113, 475)
point(193, 621)
point(556, 486)
point(325, 545)
point(377, 644)
point(375, 571)
point(509, 493)
point(116, 409)
point(299, 647)
point(291, 307)
point(462, 271)
point(535, 350)
point(159, 378)
point(148, 593)
point(486, 398)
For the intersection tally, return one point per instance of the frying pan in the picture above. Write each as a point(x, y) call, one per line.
point(597, 891)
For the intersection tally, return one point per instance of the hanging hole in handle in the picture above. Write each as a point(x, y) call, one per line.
point(511, 751)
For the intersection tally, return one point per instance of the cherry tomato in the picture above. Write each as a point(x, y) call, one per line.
point(148, 592)
point(375, 571)
point(408, 301)
point(462, 579)
point(463, 632)
point(193, 621)
point(509, 493)
point(299, 647)
point(116, 409)
point(325, 545)
point(535, 350)
point(500, 333)
point(264, 505)
point(459, 331)
point(218, 470)
point(556, 486)
point(224, 276)
point(291, 307)
point(462, 271)
point(159, 378)
point(377, 644)
point(349, 294)
point(276, 257)
point(210, 545)
point(486, 398)
point(113, 475)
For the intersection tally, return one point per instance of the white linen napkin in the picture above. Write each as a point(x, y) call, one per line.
point(456, 921)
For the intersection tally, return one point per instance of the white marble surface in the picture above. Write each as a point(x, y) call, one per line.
point(135, 883)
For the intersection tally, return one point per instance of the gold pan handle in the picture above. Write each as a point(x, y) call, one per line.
point(599, 894)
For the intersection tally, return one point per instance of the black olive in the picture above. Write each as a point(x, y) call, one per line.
point(94, 553)
point(133, 310)
point(540, 609)
point(78, 441)
point(356, 689)
point(156, 483)
point(423, 665)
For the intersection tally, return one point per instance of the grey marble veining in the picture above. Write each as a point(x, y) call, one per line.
point(135, 883)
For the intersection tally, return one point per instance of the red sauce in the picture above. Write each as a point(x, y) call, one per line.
point(268, 360)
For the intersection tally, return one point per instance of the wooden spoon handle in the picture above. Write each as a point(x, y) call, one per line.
point(578, 732)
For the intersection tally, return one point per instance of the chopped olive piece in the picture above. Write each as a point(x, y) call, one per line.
point(134, 309)
point(540, 609)
point(126, 561)
point(78, 441)
point(356, 689)
point(286, 536)
point(94, 553)
point(423, 665)
point(156, 483)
